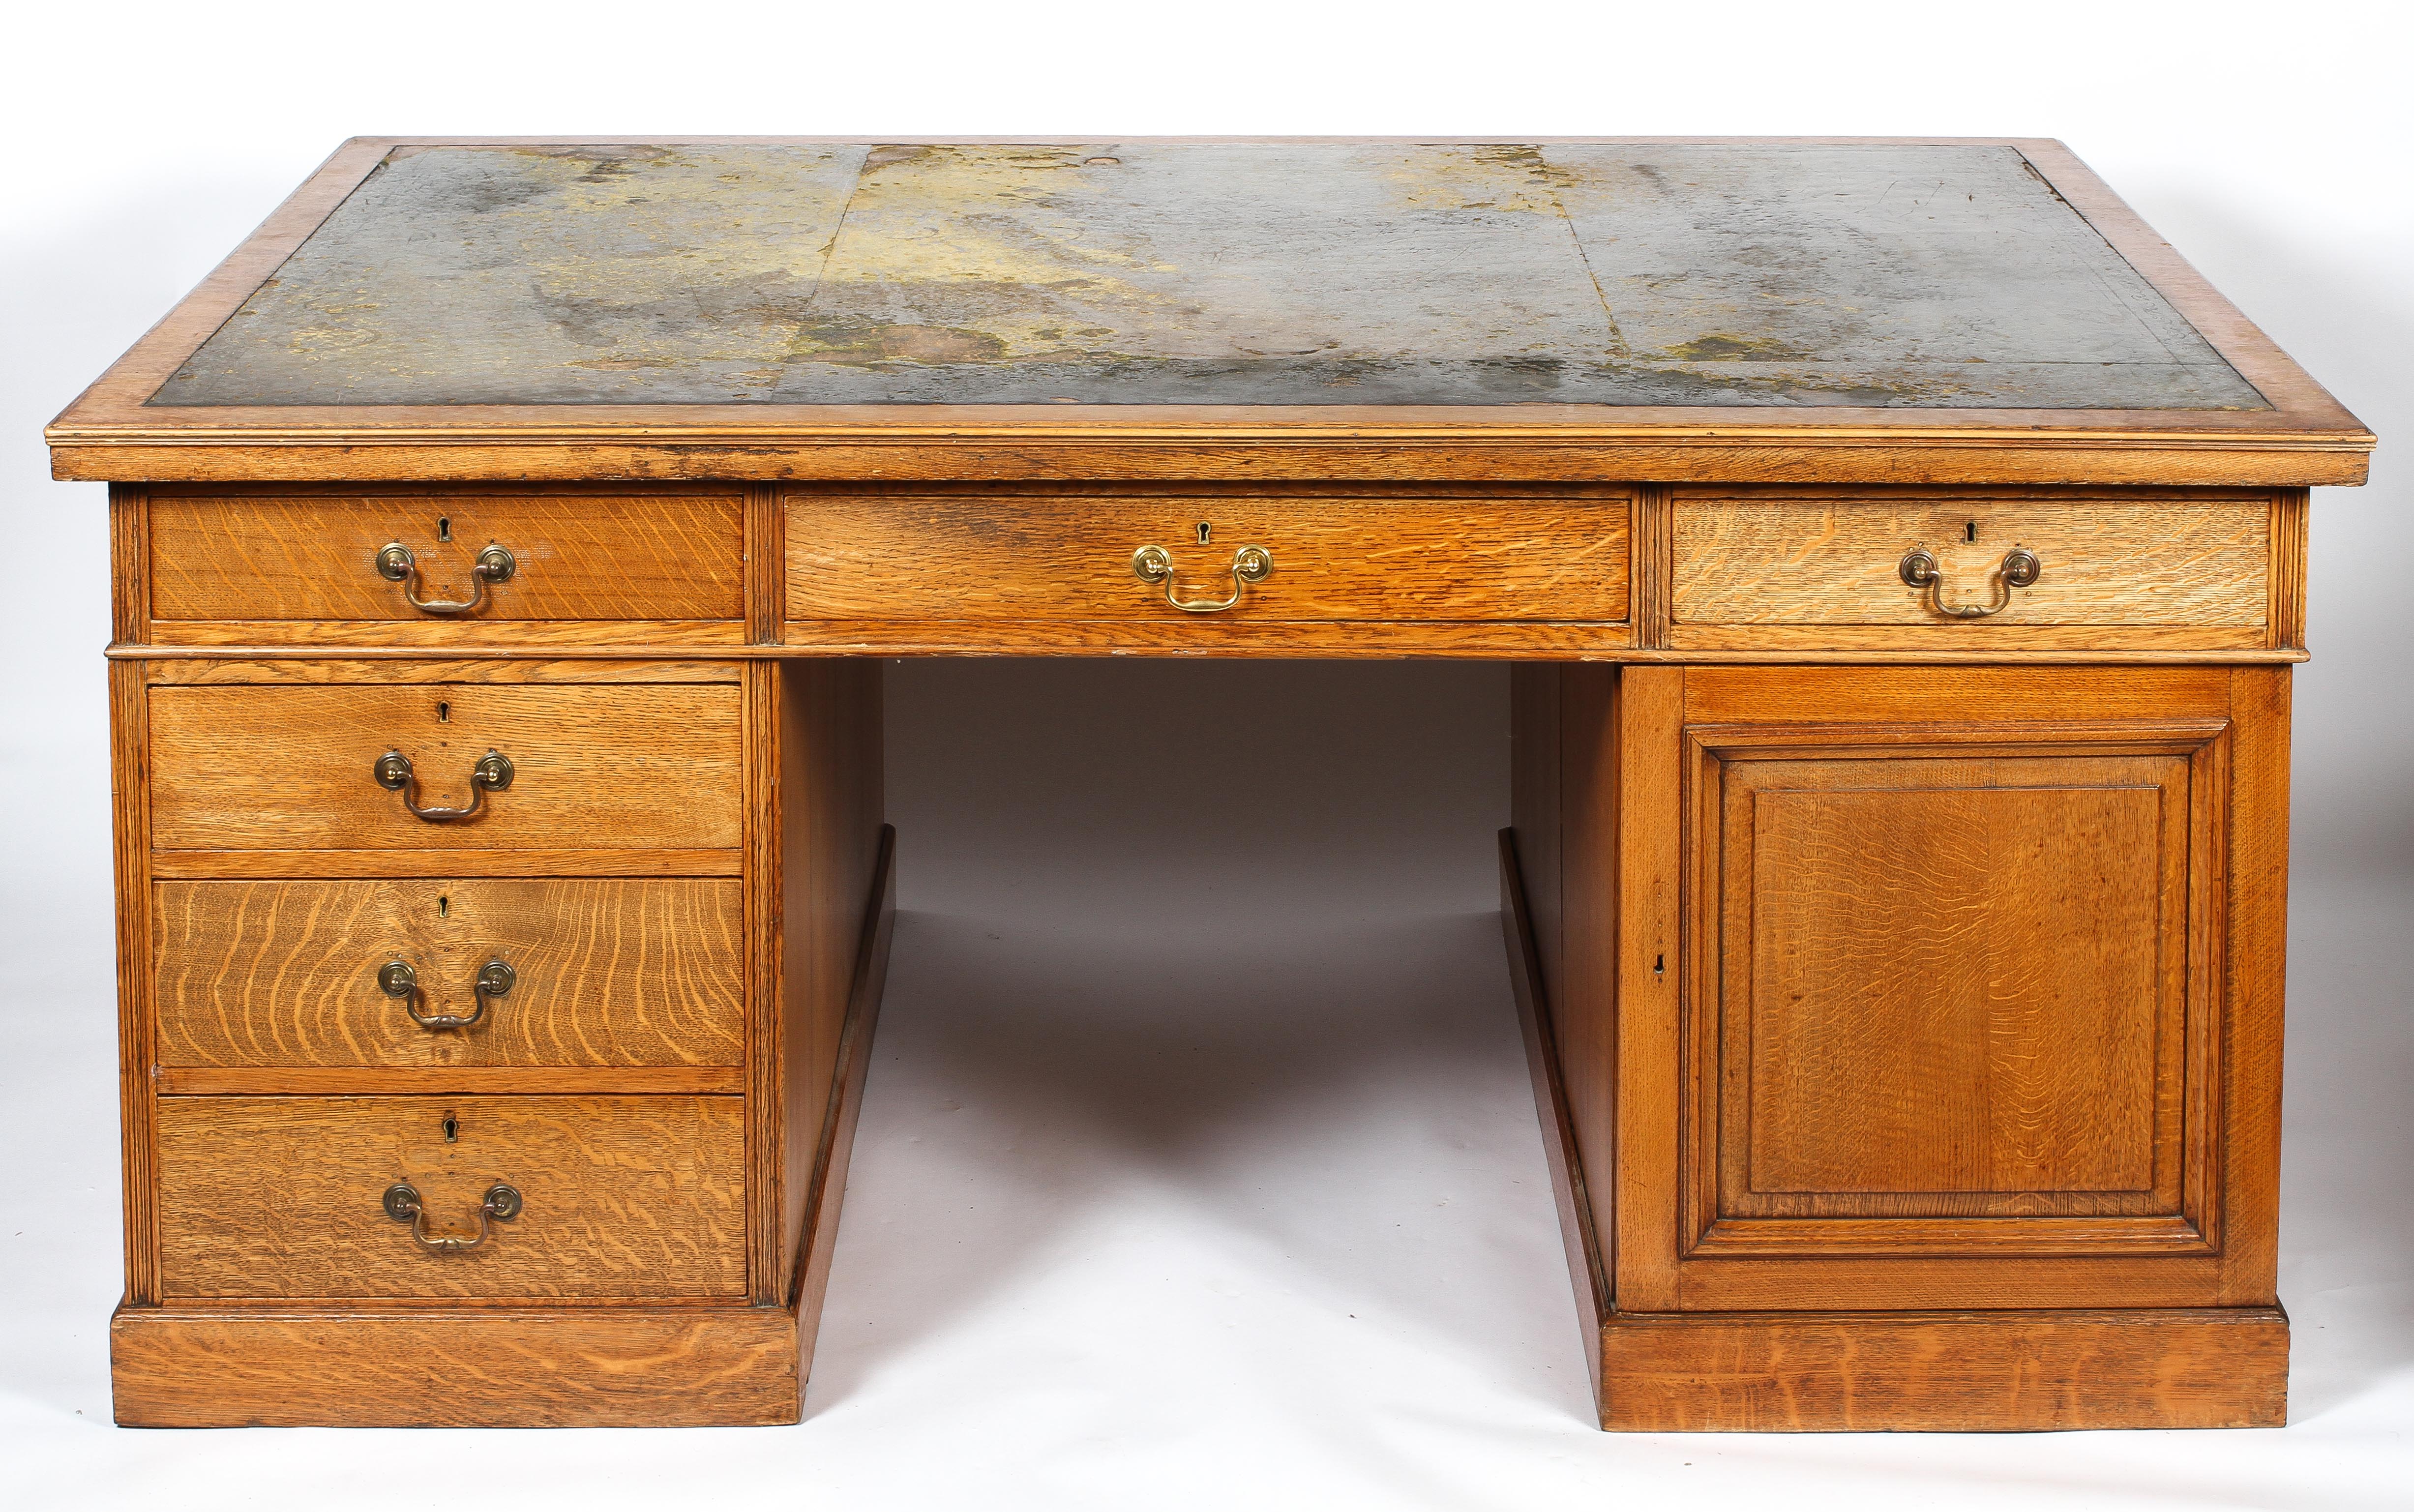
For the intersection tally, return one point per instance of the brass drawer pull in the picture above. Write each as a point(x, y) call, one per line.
point(396, 565)
point(401, 979)
point(1250, 564)
point(492, 773)
point(403, 1206)
point(1919, 571)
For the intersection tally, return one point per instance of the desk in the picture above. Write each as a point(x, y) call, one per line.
point(1900, 549)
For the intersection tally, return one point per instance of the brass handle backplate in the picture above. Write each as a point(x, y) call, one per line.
point(1918, 570)
point(396, 564)
point(401, 979)
point(403, 1206)
point(492, 773)
point(1250, 564)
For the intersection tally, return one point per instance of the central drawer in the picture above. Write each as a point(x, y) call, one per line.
point(352, 767)
point(610, 1197)
point(1548, 556)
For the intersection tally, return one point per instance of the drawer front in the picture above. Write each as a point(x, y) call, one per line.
point(1559, 558)
point(2110, 570)
point(286, 1196)
point(592, 767)
point(577, 557)
point(608, 971)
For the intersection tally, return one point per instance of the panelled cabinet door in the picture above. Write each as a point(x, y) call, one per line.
point(1954, 1028)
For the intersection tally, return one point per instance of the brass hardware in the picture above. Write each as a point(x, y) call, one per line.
point(396, 564)
point(492, 773)
point(403, 1206)
point(1206, 533)
point(399, 979)
point(1918, 570)
point(1250, 564)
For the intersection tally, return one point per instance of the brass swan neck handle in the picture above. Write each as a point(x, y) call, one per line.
point(396, 564)
point(1919, 570)
point(403, 1205)
point(1250, 564)
point(398, 978)
point(492, 773)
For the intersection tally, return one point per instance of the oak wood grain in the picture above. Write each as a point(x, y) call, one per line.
point(1868, 447)
point(284, 557)
point(452, 1367)
point(836, 1143)
point(466, 1081)
point(613, 637)
point(2251, 935)
point(130, 556)
point(1905, 695)
point(2285, 617)
point(766, 558)
point(1654, 559)
point(1946, 1371)
point(830, 857)
point(1500, 556)
point(2108, 561)
point(609, 972)
point(129, 781)
point(180, 865)
point(1938, 738)
point(1894, 1037)
point(1588, 1268)
point(280, 1197)
point(1648, 842)
point(400, 666)
point(289, 767)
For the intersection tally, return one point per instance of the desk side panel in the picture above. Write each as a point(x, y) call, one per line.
point(829, 809)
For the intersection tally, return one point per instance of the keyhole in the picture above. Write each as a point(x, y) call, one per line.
point(452, 1128)
point(1203, 529)
point(443, 711)
point(443, 908)
point(444, 528)
point(1659, 964)
point(1970, 531)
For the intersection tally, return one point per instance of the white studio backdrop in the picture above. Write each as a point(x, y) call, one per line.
point(1124, 1236)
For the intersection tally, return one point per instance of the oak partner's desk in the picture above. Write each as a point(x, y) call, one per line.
point(1902, 547)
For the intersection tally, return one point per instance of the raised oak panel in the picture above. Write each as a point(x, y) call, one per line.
point(1953, 997)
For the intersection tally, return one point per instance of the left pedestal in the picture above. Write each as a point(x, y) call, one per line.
point(492, 1032)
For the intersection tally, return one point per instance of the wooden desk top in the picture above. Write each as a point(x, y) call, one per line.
point(1711, 310)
